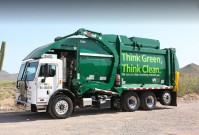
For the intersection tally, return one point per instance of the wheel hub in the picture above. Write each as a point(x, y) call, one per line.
point(166, 97)
point(61, 107)
point(150, 101)
point(132, 102)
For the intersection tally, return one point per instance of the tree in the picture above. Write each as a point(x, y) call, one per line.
point(2, 53)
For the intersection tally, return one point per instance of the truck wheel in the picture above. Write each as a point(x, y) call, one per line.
point(148, 101)
point(130, 102)
point(61, 107)
point(165, 98)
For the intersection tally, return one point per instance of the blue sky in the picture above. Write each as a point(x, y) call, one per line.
point(25, 28)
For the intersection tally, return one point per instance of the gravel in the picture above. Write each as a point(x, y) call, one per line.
point(164, 120)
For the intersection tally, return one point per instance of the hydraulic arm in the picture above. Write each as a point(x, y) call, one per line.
point(106, 45)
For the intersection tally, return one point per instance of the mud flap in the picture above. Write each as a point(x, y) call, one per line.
point(174, 99)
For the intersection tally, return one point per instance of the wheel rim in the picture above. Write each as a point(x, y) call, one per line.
point(167, 98)
point(150, 101)
point(61, 107)
point(132, 101)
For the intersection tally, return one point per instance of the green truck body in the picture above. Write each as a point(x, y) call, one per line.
point(132, 72)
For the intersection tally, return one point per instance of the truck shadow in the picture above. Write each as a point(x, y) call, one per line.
point(163, 107)
point(15, 117)
point(96, 111)
point(93, 111)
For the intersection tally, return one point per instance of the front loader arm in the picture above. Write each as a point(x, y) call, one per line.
point(107, 46)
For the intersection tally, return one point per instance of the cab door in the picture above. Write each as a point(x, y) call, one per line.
point(47, 83)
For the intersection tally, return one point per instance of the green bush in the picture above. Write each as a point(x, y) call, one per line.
point(188, 83)
point(7, 83)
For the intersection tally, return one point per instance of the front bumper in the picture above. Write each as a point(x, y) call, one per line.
point(23, 105)
point(31, 107)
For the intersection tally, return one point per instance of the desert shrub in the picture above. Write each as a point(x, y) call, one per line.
point(188, 83)
point(7, 90)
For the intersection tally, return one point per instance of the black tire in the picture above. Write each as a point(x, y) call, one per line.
point(51, 114)
point(130, 102)
point(61, 107)
point(165, 98)
point(148, 100)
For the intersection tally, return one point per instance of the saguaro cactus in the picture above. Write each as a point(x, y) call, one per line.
point(2, 53)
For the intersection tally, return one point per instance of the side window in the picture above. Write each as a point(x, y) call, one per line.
point(52, 70)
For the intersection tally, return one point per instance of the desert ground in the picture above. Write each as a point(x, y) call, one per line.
point(164, 120)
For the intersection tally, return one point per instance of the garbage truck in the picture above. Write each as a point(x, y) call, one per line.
point(91, 69)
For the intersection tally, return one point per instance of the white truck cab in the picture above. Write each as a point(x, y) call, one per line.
point(37, 81)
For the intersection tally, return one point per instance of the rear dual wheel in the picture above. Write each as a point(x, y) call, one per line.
point(130, 102)
point(148, 101)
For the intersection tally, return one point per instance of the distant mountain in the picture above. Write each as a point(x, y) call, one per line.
point(4, 73)
point(190, 69)
point(5, 76)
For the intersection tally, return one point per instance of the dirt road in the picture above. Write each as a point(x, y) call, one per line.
point(181, 120)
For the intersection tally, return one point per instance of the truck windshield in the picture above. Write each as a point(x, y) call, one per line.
point(28, 71)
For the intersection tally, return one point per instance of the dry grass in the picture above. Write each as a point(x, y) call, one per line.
point(7, 95)
point(189, 83)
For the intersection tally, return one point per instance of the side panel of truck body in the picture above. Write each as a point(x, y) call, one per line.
point(95, 63)
point(139, 67)
point(143, 68)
